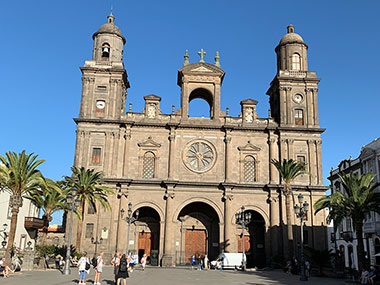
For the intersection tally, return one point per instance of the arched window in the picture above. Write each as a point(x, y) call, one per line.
point(298, 116)
point(105, 51)
point(296, 62)
point(249, 169)
point(200, 106)
point(149, 162)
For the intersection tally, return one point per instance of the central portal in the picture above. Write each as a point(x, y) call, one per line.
point(199, 232)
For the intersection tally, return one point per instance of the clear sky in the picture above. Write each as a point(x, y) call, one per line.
point(44, 42)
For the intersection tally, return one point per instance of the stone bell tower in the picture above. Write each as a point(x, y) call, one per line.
point(104, 80)
point(293, 92)
point(200, 80)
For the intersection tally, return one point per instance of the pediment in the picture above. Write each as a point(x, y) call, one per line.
point(152, 97)
point(201, 69)
point(149, 143)
point(249, 147)
point(366, 152)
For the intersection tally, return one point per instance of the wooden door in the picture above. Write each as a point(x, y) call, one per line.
point(195, 243)
point(145, 243)
point(247, 244)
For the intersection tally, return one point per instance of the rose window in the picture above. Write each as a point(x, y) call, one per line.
point(199, 156)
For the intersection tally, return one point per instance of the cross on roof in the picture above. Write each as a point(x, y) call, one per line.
point(201, 54)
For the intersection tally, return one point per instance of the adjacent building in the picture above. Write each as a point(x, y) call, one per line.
point(343, 240)
point(189, 176)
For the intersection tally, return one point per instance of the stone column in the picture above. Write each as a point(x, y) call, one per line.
point(312, 164)
point(171, 153)
point(86, 149)
point(127, 138)
point(107, 153)
point(288, 109)
point(228, 233)
point(274, 222)
point(78, 148)
point(227, 171)
point(84, 99)
point(315, 104)
point(291, 149)
point(273, 173)
point(319, 162)
point(168, 258)
point(309, 104)
point(90, 104)
point(282, 105)
point(283, 154)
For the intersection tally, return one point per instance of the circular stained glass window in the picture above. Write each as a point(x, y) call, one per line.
point(199, 156)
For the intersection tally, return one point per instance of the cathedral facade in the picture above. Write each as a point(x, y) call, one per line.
point(186, 178)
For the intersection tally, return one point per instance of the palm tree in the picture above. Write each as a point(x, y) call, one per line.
point(50, 198)
point(88, 184)
point(359, 201)
point(289, 170)
point(19, 176)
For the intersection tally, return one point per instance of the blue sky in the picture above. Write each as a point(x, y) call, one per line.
point(45, 42)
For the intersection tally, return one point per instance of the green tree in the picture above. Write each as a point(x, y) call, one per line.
point(358, 201)
point(289, 170)
point(88, 184)
point(50, 197)
point(19, 176)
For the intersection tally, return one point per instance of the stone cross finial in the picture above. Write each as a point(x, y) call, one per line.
point(186, 57)
point(217, 58)
point(201, 54)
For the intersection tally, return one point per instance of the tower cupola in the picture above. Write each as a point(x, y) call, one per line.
point(108, 42)
point(292, 52)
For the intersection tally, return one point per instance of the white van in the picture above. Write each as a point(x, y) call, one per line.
point(229, 260)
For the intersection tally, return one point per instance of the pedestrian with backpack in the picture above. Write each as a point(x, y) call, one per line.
point(84, 268)
point(123, 270)
point(98, 269)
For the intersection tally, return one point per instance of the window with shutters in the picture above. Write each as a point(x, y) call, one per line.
point(249, 169)
point(296, 62)
point(89, 230)
point(298, 115)
point(149, 162)
point(96, 153)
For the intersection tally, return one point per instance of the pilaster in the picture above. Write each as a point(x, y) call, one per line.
point(228, 232)
point(127, 138)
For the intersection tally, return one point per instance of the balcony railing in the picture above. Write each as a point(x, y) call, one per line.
point(32, 223)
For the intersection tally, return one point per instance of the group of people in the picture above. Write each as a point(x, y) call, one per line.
point(4, 269)
point(293, 267)
point(123, 264)
point(369, 276)
point(201, 262)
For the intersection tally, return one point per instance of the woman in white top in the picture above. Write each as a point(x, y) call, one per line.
point(83, 268)
point(98, 269)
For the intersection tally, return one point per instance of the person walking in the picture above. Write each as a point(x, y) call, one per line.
point(123, 270)
point(199, 262)
point(98, 269)
point(115, 262)
point(143, 261)
point(307, 267)
point(84, 268)
point(192, 262)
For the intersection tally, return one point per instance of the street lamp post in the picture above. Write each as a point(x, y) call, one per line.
point(243, 219)
point(96, 242)
point(301, 212)
point(71, 199)
point(129, 219)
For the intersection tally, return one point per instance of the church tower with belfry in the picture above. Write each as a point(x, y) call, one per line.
point(180, 181)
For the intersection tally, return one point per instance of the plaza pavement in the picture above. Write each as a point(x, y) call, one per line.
point(168, 276)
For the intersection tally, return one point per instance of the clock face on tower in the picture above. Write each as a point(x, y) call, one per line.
point(100, 104)
point(151, 111)
point(298, 98)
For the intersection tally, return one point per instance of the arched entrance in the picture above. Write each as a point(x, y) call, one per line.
point(148, 234)
point(199, 230)
point(254, 241)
